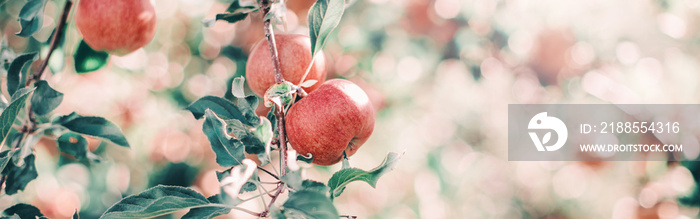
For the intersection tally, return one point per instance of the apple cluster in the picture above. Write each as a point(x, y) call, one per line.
point(335, 117)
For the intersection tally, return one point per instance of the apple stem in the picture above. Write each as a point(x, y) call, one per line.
point(270, 35)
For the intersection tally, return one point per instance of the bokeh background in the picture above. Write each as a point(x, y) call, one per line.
point(440, 74)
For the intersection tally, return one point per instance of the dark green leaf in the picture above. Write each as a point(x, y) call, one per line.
point(231, 17)
point(73, 144)
point(19, 176)
point(310, 185)
point(307, 159)
point(16, 74)
point(273, 120)
point(324, 17)
point(87, 59)
point(229, 151)
point(156, 201)
point(45, 98)
point(220, 106)
point(309, 204)
point(247, 106)
point(5, 159)
point(276, 213)
point(254, 138)
point(207, 212)
point(346, 162)
point(10, 113)
point(75, 215)
point(31, 17)
point(97, 127)
point(340, 179)
point(66, 118)
point(236, 12)
point(24, 211)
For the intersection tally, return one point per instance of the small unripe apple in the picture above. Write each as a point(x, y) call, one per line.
point(294, 52)
point(118, 27)
point(337, 117)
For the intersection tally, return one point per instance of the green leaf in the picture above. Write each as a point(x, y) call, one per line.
point(343, 177)
point(66, 118)
point(263, 133)
point(19, 176)
point(31, 17)
point(8, 116)
point(237, 87)
point(346, 162)
point(280, 94)
point(229, 151)
point(308, 159)
point(24, 211)
point(324, 17)
point(96, 127)
point(16, 74)
point(236, 12)
point(87, 59)
point(231, 17)
point(247, 106)
point(156, 201)
point(273, 120)
point(220, 106)
point(73, 144)
point(45, 98)
point(310, 185)
point(309, 204)
point(207, 212)
point(254, 138)
point(5, 158)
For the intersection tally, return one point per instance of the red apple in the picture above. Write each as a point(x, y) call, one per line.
point(337, 117)
point(118, 26)
point(294, 52)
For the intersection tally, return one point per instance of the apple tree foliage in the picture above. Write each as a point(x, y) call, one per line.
point(230, 125)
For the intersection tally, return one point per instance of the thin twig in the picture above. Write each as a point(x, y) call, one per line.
point(279, 191)
point(283, 140)
point(269, 173)
point(57, 36)
point(279, 112)
point(262, 194)
point(270, 35)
